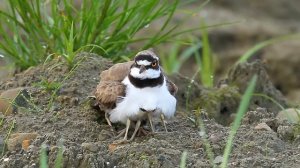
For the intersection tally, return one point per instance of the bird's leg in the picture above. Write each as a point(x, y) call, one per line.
point(121, 133)
point(108, 122)
point(127, 128)
point(162, 118)
point(137, 126)
point(150, 121)
point(124, 131)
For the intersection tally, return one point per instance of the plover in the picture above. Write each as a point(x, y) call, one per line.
point(134, 91)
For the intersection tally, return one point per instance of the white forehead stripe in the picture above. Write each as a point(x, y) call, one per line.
point(143, 62)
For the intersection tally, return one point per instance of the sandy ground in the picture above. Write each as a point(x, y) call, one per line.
point(86, 138)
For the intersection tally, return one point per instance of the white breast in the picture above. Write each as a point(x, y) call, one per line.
point(148, 98)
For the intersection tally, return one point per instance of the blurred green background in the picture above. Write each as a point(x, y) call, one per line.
point(183, 34)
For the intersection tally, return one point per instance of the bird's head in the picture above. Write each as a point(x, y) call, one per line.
point(146, 66)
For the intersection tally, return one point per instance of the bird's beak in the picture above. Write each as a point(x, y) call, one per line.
point(142, 69)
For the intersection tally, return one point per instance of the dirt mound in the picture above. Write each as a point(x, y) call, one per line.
point(66, 119)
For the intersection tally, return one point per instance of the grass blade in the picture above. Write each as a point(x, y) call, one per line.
point(266, 43)
point(43, 157)
point(207, 61)
point(244, 104)
point(59, 157)
point(183, 160)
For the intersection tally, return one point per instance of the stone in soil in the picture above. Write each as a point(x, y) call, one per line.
point(291, 114)
point(20, 140)
point(12, 99)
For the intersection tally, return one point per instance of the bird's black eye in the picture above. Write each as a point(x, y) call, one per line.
point(154, 64)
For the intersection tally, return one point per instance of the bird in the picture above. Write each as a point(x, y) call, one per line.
point(134, 91)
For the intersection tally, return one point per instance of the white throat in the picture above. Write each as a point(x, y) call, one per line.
point(147, 74)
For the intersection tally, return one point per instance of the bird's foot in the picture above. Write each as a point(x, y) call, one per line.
point(120, 141)
point(120, 133)
point(144, 132)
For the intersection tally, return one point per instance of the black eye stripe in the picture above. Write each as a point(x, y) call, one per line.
point(145, 57)
point(151, 67)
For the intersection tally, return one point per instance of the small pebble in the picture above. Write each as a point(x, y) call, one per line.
point(218, 160)
point(262, 126)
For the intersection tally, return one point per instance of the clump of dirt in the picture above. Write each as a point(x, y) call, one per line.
point(265, 92)
point(219, 103)
point(66, 119)
point(222, 102)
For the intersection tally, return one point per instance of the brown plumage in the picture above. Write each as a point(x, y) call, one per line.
point(110, 86)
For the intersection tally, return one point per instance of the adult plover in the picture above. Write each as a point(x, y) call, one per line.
point(132, 91)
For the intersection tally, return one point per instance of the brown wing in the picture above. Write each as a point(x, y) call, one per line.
point(172, 87)
point(107, 93)
point(110, 88)
point(117, 72)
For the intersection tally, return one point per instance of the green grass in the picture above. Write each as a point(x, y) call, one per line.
point(183, 160)
point(31, 31)
point(206, 63)
point(173, 59)
point(269, 98)
point(59, 158)
point(48, 85)
point(264, 44)
point(43, 157)
point(243, 107)
point(244, 104)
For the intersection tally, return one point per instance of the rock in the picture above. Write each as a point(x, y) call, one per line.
point(18, 139)
point(92, 147)
point(11, 99)
point(104, 135)
point(262, 126)
point(291, 114)
point(218, 160)
point(285, 132)
point(215, 138)
point(26, 144)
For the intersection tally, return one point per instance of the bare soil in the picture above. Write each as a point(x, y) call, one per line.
point(86, 138)
point(67, 119)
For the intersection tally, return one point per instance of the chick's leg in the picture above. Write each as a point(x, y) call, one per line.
point(127, 129)
point(108, 122)
point(150, 121)
point(162, 118)
point(122, 132)
point(137, 126)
